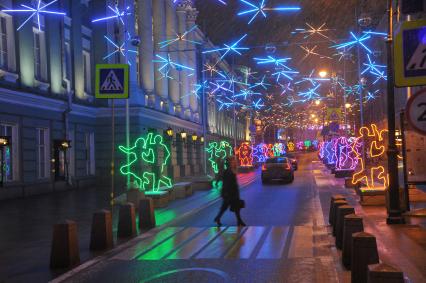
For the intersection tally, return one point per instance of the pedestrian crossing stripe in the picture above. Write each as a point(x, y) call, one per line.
point(196, 243)
point(112, 81)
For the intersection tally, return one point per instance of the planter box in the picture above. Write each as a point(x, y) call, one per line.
point(183, 189)
point(134, 196)
point(160, 198)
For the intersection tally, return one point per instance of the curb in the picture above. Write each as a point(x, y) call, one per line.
point(116, 250)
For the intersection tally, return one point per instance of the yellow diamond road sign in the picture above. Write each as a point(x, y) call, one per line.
point(410, 54)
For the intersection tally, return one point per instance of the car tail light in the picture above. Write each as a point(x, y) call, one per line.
point(287, 166)
point(263, 167)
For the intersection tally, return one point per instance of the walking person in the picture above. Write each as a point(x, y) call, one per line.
point(230, 192)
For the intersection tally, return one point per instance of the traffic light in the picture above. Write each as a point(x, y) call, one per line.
point(412, 6)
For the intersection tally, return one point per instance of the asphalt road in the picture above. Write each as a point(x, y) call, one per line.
point(284, 241)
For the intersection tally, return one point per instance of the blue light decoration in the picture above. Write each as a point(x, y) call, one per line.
point(260, 8)
point(120, 49)
point(311, 93)
point(179, 37)
point(283, 73)
point(212, 70)
point(380, 75)
point(229, 48)
point(311, 51)
point(259, 153)
point(219, 86)
point(313, 80)
point(312, 31)
point(371, 95)
point(278, 62)
point(258, 104)
point(168, 64)
point(356, 40)
point(116, 14)
point(286, 88)
point(376, 33)
point(244, 93)
point(261, 84)
point(35, 11)
point(372, 66)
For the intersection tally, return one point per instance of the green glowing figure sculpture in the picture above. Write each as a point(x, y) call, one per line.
point(144, 152)
point(218, 152)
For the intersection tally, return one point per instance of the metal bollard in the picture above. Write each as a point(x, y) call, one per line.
point(331, 211)
point(101, 234)
point(351, 224)
point(336, 204)
point(65, 250)
point(341, 212)
point(126, 221)
point(146, 214)
point(384, 273)
point(364, 253)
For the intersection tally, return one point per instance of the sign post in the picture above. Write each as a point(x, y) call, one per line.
point(112, 82)
point(410, 54)
point(416, 111)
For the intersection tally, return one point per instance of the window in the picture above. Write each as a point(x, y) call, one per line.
point(3, 43)
point(90, 153)
point(10, 153)
point(42, 153)
point(86, 72)
point(39, 55)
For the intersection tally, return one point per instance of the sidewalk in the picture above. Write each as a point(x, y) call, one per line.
point(403, 246)
point(26, 226)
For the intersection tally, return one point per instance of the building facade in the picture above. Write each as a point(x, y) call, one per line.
point(47, 82)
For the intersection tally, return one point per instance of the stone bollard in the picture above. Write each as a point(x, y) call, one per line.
point(351, 224)
point(364, 253)
point(101, 235)
point(126, 221)
point(146, 214)
point(331, 211)
point(341, 212)
point(336, 204)
point(384, 273)
point(65, 250)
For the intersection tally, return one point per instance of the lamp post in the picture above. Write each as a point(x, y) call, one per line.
point(394, 209)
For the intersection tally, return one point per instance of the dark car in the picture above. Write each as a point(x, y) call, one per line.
point(277, 168)
point(293, 160)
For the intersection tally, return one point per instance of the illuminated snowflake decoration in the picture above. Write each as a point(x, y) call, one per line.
point(284, 73)
point(35, 12)
point(212, 70)
point(145, 152)
point(116, 14)
point(311, 79)
point(260, 9)
point(312, 31)
point(261, 83)
point(258, 104)
point(311, 51)
point(179, 38)
point(168, 64)
point(357, 40)
point(372, 66)
point(118, 49)
point(311, 93)
point(278, 62)
point(233, 48)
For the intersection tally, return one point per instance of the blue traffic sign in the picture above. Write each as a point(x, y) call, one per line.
point(410, 54)
point(112, 81)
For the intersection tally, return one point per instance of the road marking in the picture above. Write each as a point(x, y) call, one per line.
point(274, 244)
point(147, 244)
point(170, 244)
point(301, 242)
point(221, 244)
point(196, 244)
point(246, 244)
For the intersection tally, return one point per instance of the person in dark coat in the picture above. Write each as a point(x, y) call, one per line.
point(230, 192)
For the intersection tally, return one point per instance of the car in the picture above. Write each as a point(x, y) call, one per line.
point(277, 168)
point(293, 160)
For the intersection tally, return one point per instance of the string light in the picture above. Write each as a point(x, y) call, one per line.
point(229, 48)
point(261, 9)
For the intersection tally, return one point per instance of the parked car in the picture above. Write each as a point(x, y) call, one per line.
point(277, 168)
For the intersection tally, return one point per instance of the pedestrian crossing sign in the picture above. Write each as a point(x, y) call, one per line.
point(410, 54)
point(112, 81)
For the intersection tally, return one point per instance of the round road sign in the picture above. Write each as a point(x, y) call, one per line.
point(416, 111)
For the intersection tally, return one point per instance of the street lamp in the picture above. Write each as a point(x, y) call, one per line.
point(317, 102)
point(348, 105)
point(194, 137)
point(169, 132)
point(323, 73)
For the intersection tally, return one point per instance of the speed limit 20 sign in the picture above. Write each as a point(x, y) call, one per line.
point(416, 111)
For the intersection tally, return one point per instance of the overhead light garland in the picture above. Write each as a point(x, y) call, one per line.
point(179, 38)
point(233, 48)
point(260, 8)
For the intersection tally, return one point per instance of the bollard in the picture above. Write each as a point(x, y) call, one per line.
point(101, 235)
point(126, 221)
point(336, 204)
point(364, 253)
point(331, 211)
point(384, 273)
point(65, 250)
point(351, 224)
point(146, 214)
point(341, 212)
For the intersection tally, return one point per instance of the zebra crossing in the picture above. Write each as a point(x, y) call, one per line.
point(253, 242)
